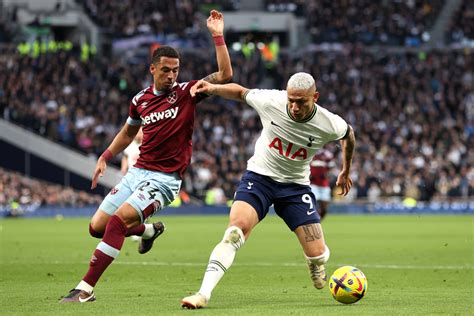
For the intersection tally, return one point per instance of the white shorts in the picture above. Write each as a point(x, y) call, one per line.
point(140, 188)
point(321, 193)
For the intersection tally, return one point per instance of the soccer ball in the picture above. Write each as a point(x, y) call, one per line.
point(348, 285)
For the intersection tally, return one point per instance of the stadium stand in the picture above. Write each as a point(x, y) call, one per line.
point(20, 194)
point(170, 18)
point(413, 111)
point(368, 22)
point(462, 24)
point(425, 149)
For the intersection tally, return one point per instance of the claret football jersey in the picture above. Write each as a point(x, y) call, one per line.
point(167, 121)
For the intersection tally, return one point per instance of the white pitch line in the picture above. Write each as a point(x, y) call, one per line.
point(268, 264)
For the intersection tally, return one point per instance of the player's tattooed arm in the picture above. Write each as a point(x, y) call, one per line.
point(231, 91)
point(215, 25)
point(212, 78)
point(312, 232)
point(348, 145)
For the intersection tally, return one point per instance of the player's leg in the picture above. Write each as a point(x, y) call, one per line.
point(98, 223)
point(298, 210)
point(145, 201)
point(323, 197)
point(101, 218)
point(251, 203)
point(106, 251)
point(323, 208)
point(157, 188)
point(316, 252)
point(242, 220)
point(116, 197)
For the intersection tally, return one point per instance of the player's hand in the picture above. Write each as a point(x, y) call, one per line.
point(99, 171)
point(345, 182)
point(202, 86)
point(215, 23)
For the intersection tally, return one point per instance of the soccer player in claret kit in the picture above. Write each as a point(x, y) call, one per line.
point(320, 166)
point(166, 112)
point(294, 128)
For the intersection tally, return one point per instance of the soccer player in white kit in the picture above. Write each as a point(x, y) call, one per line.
point(131, 153)
point(294, 128)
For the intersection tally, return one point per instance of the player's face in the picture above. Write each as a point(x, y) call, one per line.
point(165, 72)
point(301, 102)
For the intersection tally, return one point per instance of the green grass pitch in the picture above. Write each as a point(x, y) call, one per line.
point(415, 265)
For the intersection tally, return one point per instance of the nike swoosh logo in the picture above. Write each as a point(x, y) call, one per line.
point(275, 124)
point(82, 300)
point(309, 213)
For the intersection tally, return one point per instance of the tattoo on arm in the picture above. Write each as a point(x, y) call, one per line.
point(349, 143)
point(212, 78)
point(312, 232)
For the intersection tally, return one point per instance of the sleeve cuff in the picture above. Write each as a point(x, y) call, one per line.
point(133, 122)
point(347, 131)
point(246, 93)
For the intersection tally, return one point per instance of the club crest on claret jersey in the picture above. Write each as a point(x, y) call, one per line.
point(172, 97)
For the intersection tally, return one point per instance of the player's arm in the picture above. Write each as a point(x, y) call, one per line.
point(120, 142)
point(231, 91)
point(348, 147)
point(215, 25)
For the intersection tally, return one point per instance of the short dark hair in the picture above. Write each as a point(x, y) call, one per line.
point(164, 51)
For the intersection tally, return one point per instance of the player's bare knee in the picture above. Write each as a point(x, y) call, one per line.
point(130, 222)
point(96, 230)
point(243, 226)
point(234, 236)
point(129, 216)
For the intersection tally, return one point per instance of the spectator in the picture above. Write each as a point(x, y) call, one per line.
point(20, 194)
point(412, 113)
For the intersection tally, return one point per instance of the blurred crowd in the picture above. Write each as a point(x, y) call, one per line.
point(462, 24)
point(401, 22)
point(394, 22)
point(365, 21)
point(20, 194)
point(169, 18)
point(413, 114)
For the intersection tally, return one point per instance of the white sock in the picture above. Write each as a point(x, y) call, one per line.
point(221, 259)
point(149, 231)
point(85, 287)
point(321, 259)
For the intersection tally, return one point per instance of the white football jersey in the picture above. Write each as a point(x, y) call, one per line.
point(132, 152)
point(285, 148)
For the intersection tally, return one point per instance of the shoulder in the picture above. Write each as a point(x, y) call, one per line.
point(331, 122)
point(265, 96)
point(139, 96)
point(321, 111)
point(185, 86)
point(267, 92)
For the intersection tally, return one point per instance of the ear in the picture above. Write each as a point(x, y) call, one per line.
point(316, 96)
point(152, 69)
